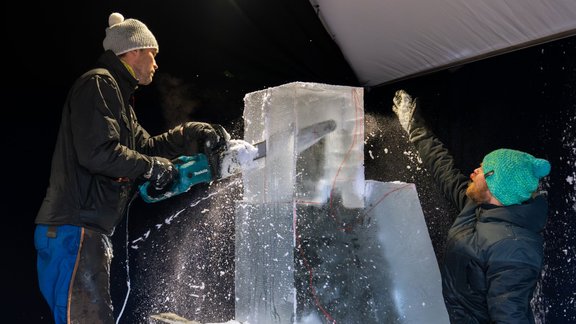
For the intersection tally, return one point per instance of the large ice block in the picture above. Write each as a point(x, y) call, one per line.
point(332, 168)
point(315, 242)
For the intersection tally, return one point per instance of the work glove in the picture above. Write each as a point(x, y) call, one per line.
point(223, 136)
point(404, 107)
point(217, 150)
point(162, 174)
point(202, 136)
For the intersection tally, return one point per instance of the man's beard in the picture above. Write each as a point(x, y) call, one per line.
point(478, 195)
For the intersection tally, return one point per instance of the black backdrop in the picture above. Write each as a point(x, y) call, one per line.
point(212, 53)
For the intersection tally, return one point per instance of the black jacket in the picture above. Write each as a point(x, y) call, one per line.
point(494, 254)
point(101, 150)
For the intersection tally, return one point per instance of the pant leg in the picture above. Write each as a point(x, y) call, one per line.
point(90, 291)
point(56, 257)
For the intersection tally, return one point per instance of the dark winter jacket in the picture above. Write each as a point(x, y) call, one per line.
point(101, 151)
point(493, 256)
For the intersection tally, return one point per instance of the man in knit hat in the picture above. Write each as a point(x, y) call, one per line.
point(494, 249)
point(101, 155)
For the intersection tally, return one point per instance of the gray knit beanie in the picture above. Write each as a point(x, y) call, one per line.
point(125, 35)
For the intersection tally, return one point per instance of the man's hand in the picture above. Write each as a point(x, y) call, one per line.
point(162, 173)
point(223, 137)
point(201, 136)
point(404, 108)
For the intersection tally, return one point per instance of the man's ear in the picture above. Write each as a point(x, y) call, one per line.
point(130, 56)
point(130, 59)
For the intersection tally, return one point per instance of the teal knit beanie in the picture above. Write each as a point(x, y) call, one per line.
point(515, 175)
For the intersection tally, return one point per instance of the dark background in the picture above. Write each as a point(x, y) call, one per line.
point(213, 52)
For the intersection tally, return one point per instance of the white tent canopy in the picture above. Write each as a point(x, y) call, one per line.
point(388, 40)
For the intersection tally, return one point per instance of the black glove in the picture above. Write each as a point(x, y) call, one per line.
point(201, 136)
point(223, 137)
point(162, 174)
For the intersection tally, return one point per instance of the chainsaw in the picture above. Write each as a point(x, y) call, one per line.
point(228, 158)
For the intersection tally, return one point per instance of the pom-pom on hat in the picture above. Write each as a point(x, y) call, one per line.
point(126, 35)
point(512, 176)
